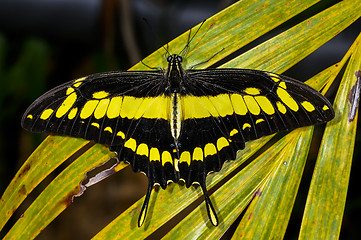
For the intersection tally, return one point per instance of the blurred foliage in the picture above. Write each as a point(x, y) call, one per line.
point(21, 69)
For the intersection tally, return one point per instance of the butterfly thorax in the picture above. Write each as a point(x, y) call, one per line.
point(175, 73)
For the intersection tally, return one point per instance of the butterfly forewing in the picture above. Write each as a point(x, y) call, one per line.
point(90, 107)
point(256, 100)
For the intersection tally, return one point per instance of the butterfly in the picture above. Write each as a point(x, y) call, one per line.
point(174, 124)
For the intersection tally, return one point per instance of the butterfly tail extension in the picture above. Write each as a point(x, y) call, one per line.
point(143, 211)
point(210, 209)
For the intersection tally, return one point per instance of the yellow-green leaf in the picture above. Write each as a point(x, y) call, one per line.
point(57, 195)
point(37, 167)
point(326, 200)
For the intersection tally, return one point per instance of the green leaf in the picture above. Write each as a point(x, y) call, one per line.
point(289, 47)
point(272, 178)
point(329, 184)
point(274, 200)
point(36, 168)
point(58, 194)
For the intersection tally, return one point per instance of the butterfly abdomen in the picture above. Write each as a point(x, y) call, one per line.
point(175, 115)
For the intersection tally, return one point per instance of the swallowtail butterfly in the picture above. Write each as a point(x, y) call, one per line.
point(177, 124)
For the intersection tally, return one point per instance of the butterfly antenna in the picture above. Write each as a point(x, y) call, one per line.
point(166, 49)
point(190, 38)
point(210, 209)
point(154, 68)
point(143, 212)
point(207, 60)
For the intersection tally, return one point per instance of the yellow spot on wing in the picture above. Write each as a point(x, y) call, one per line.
point(66, 105)
point(129, 106)
point(252, 91)
point(100, 95)
point(209, 149)
point(121, 134)
point(287, 99)
point(222, 143)
point(78, 82)
point(197, 154)
point(101, 108)
point(29, 116)
point(46, 113)
point(325, 107)
point(265, 104)
point(207, 106)
point(166, 157)
point(72, 113)
point(108, 129)
point(220, 105)
point(154, 154)
point(69, 90)
point(152, 107)
point(282, 85)
point(198, 107)
point(223, 104)
point(88, 108)
point(274, 77)
point(143, 149)
point(281, 107)
point(308, 106)
point(239, 105)
point(95, 124)
point(144, 105)
point(185, 157)
point(259, 120)
point(233, 132)
point(246, 125)
point(131, 144)
point(114, 107)
point(252, 105)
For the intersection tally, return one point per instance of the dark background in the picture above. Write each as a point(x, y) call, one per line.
point(44, 43)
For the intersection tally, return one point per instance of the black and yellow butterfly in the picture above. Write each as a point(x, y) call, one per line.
point(177, 124)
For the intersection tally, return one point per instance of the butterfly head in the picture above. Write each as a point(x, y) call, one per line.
point(174, 59)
